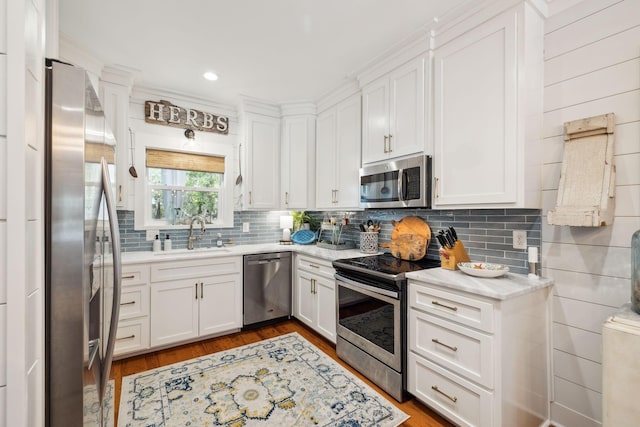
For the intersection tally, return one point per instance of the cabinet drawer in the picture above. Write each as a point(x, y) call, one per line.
point(466, 404)
point(134, 302)
point(132, 335)
point(135, 274)
point(316, 266)
point(453, 306)
point(175, 270)
point(464, 351)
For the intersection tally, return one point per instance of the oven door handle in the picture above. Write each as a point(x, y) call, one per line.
point(358, 286)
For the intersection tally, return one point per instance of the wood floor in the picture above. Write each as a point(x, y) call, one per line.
point(421, 416)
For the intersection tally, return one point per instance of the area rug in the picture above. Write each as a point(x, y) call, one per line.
point(283, 381)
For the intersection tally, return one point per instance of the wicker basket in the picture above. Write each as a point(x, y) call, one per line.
point(369, 242)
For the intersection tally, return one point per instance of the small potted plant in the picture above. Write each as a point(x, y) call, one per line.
point(302, 220)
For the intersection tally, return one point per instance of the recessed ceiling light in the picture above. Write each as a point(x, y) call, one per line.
point(210, 76)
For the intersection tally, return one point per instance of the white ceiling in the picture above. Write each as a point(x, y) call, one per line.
point(275, 50)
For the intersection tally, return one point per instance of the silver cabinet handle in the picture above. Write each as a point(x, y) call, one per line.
point(286, 198)
point(127, 303)
point(314, 266)
point(450, 347)
point(120, 192)
point(201, 290)
point(250, 198)
point(386, 141)
point(130, 337)
point(449, 307)
point(390, 150)
point(435, 190)
point(196, 290)
point(451, 398)
point(129, 277)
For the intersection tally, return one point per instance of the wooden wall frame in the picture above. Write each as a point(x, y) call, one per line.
point(587, 181)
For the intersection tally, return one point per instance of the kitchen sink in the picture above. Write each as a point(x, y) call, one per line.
point(184, 251)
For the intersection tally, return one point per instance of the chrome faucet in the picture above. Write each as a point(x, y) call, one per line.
point(191, 236)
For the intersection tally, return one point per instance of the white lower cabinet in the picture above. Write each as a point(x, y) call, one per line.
point(133, 325)
point(476, 360)
point(461, 401)
point(195, 298)
point(315, 295)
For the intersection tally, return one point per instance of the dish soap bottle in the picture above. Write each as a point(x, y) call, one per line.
point(167, 243)
point(156, 244)
point(219, 241)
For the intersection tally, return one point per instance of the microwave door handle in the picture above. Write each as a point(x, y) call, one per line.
point(401, 185)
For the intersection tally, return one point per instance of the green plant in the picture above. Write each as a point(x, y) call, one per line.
point(301, 217)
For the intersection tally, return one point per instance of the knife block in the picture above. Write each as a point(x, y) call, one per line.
point(450, 257)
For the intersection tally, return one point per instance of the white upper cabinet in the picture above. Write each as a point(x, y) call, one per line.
point(298, 149)
point(261, 171)
point(393, 113)
point(488, 85)
point(115, 88)
point(338, 156)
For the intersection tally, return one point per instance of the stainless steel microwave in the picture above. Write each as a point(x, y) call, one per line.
point(397, 184)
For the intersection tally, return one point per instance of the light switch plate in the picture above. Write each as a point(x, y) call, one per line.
point(245, 227)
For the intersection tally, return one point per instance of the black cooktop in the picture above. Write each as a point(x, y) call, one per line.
point(384, 265)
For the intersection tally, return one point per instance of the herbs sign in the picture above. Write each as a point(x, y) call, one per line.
point(165, 113)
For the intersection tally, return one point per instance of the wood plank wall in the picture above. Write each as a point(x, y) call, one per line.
point(592, 67)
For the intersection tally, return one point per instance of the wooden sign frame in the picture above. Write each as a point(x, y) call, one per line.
point(167, 114)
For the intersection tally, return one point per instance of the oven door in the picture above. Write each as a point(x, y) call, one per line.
point(369, 318)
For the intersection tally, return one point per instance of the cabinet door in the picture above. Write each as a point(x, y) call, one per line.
point(115, 102)
point(220, 300)
point(325, 159)
point(347, 156)
point(375, 121)
point(475, 90)
point(263, 153)
point(406, 110)
point(326, 307)
point(298, 151)
point(305, 304)
point(174, 311)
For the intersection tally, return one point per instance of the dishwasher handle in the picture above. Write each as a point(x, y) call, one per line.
point(264, 261)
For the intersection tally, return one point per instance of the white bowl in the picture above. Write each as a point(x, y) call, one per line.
point(483, 269)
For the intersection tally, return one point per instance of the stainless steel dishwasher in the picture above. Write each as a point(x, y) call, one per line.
point(267, 288)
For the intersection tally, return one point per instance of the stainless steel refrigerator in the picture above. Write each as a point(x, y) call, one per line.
point(82, 252)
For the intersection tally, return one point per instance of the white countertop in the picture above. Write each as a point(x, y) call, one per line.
point(501, 288)
point(237, 250)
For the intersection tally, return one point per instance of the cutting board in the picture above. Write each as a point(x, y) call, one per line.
point(409, 239)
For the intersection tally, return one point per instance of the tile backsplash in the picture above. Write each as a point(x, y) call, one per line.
point(487, 234)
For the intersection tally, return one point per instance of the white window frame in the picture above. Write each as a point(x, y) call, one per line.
point(179, 143)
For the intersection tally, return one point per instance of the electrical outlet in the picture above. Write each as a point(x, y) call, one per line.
point(151, 233)
point(245, 227)
point(520, 239)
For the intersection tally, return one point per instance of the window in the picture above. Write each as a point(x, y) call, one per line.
point(178, 185)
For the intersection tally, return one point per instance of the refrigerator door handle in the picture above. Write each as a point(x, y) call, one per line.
point(117, 276)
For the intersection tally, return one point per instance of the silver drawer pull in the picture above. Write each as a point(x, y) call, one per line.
point(314, 266)
point(451, 398)
point(435, 340)
point(127, 303)
point(439, 304)
point(130, 337)
point(129, 277)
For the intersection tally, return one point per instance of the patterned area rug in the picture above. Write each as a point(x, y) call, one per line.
point(283, 381)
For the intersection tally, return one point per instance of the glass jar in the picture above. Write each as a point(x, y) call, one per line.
point(635, 271)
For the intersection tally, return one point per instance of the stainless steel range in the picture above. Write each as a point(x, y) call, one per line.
point(371, 299)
